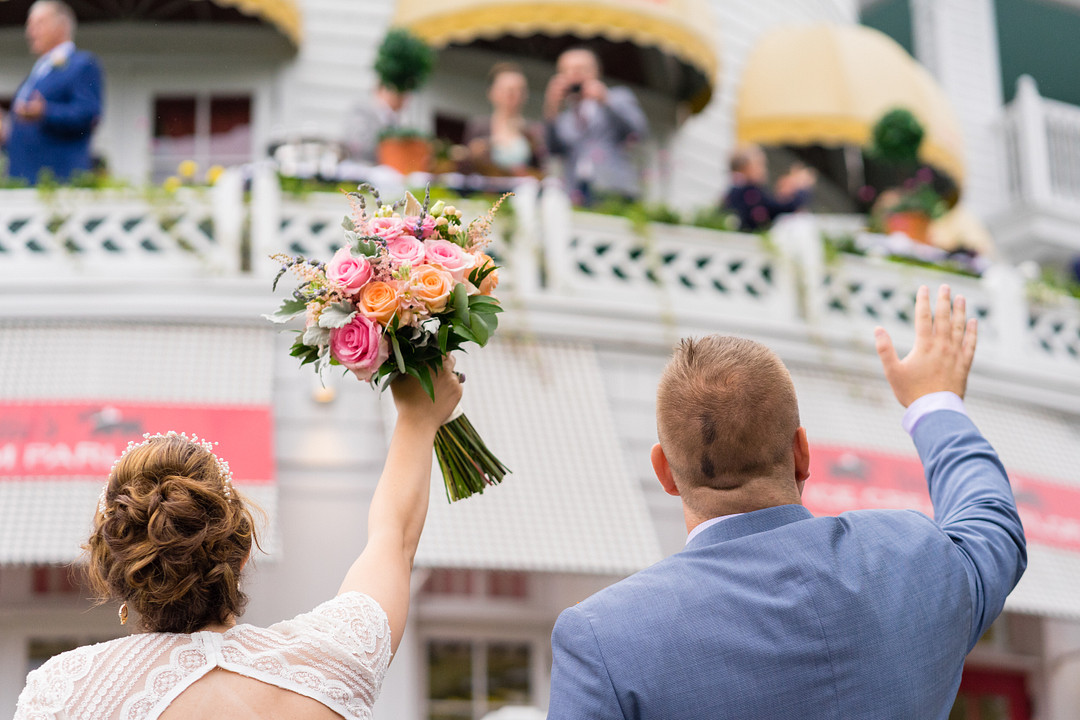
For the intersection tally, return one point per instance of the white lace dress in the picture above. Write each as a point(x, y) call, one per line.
point(336, 654)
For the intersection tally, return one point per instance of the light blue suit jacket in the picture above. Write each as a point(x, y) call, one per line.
point(777, 614)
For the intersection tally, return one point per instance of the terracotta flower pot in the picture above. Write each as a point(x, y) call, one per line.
point(914, 224)
point(405, 155)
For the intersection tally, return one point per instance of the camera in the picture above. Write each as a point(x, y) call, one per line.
point(574, 89)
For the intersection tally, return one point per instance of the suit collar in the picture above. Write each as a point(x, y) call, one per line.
point(749, 524)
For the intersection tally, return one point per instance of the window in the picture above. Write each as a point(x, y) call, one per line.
point(467, 679)
point(55, 580)
point(991, 695)
point(473, 583)
point(208, 129)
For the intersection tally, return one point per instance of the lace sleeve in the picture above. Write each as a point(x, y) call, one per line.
point(34, 703)
point(355, 622)
point(49, 688)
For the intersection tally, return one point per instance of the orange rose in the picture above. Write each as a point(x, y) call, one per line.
point(432, 286)
point(378, 301)
point(488, 284)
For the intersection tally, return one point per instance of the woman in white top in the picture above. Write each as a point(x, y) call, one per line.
point(170, 538)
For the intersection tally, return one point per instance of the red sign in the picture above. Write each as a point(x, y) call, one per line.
point(58, 440)
point(842, 479)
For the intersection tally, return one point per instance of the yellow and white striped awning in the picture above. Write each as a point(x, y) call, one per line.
point(682, 29)
point(830, 84)
point(282, 14)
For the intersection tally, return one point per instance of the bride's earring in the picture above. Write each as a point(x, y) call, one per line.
point(123, 614)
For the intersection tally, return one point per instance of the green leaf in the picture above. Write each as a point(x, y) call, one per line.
point(490, 322)
point(348, 224)
point(366, 245)
point(337, 315)
point(461, 303)
point(480, 330)
point(289, 309)
point(424, 376)
point(444, 333)
point(397, 353)
point(478, 274)
point(465, 333)
point(482, 301)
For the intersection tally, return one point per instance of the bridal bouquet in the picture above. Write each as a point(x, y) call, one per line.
point(411, 285)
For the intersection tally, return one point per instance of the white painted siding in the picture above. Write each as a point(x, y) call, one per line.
point(958, 41)
point(332, 70)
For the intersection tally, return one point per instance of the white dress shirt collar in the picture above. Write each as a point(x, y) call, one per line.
point(708, 524)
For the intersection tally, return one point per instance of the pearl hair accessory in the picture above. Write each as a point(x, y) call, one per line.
point(223, 466)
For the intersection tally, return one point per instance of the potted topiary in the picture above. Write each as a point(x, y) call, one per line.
point(403, 64)
point(914, 204)
point(915, 208)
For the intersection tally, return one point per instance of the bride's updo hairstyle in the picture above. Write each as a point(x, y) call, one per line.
point(171, 536)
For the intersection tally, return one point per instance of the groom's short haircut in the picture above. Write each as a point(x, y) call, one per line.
point(726, 413)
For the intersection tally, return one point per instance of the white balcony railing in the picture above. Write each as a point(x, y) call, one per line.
point(596, 268)
point(1042, 140)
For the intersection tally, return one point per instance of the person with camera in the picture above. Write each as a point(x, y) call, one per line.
point(592, 128)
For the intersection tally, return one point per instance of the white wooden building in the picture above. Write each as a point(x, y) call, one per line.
point(121, 297)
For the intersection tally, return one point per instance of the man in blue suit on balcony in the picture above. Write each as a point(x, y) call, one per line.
point(58, 105)
point(772, 613)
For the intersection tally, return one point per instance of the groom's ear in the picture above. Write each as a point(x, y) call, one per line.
point(800, 450)
point(662, 469)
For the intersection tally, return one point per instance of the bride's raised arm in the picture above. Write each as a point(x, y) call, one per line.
point(399, 505)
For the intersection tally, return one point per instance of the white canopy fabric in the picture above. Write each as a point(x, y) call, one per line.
point(570, 505)
point(45, 520)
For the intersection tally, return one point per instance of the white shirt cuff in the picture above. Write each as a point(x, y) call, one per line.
point(932, 402)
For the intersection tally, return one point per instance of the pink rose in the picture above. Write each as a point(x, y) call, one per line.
point(449, 257)
point(426, 228)
point(360, 346)
point(352, 273)
point(387, 228)
point(406, 250)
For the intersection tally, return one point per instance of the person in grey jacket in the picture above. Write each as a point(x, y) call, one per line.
point(591, 127)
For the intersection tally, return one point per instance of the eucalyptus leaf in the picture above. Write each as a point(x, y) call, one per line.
point(337, 315)
point(348, 224)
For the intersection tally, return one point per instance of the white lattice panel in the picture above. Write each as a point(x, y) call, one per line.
point(695, 268)
point(1055, 331)
point(865, 292)
point(82, 232)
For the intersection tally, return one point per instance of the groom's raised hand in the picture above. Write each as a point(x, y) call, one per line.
point(944, 348)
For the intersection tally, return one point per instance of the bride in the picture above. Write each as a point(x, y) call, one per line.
point(170, 538)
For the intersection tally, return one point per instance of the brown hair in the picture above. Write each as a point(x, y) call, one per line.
point(726, 414)
point(743, 155)
point(172, 540)
point(501, 67)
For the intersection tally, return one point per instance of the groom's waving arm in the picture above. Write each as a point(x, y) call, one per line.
point(580, 684)
point(973, 502)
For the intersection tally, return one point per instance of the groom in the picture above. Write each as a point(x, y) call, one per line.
point(770, 612)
